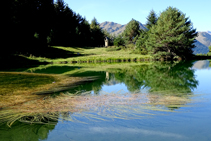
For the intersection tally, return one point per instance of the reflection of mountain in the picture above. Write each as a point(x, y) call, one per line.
point(201, 64)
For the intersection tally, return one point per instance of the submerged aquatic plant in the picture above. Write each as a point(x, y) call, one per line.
point(106, 106)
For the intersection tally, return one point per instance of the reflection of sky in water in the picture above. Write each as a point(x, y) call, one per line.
point(119, 87)
point(186, 123)
point(204, 78)
point(114, 88)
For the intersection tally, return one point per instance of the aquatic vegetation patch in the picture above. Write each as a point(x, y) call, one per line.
point(73, 107)
point(17, 88)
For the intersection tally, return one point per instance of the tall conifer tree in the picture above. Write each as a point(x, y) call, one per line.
point(131, 30)
point(151, 19)
point(97, 36)
point(173, 35)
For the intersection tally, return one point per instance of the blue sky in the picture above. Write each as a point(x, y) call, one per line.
point(122, 11)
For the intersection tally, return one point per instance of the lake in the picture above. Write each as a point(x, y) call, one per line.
point(120, 101)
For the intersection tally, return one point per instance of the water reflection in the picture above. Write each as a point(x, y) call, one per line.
point(169, 87)
point(25, 132)
point(203, 64)
point(166, 78)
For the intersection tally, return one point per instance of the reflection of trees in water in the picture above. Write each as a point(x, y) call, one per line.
point(157, 77)
point(129, 80)
point(95, 85)
point(171, 78)
point(25, 132)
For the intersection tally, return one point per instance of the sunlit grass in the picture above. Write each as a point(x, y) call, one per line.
point(14, 82)
point(98, 54)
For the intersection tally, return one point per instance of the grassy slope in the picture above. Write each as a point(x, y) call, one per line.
point(82, 69)
point(91, 54)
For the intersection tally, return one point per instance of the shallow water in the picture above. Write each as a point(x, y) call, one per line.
point(127, 102)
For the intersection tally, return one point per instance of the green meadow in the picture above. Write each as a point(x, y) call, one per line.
point(86, 55)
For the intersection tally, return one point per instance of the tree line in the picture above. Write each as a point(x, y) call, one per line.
point(32, 25)
point(169, 35)
point(35, 24)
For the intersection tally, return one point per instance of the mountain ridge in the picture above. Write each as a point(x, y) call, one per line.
point(204, 38)
point(115, 28)
point(209, 32)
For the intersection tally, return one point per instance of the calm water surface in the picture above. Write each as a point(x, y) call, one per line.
point(128, 102)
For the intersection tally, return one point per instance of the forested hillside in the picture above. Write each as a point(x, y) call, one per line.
point(33, 25)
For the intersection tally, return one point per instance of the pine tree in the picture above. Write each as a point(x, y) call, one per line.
point(151, 19)
point(97, 35)
point(132, 30)
point(141, 41)
point(94, 24)
point(173, 35)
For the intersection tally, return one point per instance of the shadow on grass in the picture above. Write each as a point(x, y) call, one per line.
point(17, 63)
point(52, 53)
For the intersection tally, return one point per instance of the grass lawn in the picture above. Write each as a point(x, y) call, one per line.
point(98, 54)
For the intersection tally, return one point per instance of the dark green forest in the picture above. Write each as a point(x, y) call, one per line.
point(33, 25)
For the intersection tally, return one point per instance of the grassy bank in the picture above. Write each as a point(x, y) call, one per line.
point(20, 87)
point(88, 55)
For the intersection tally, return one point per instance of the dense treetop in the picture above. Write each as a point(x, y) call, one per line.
point(172, 35)
point(151, 19)
point(131, 30)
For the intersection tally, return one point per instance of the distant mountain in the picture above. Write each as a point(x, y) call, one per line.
point(204, 38)
point(202, 44)
point(209, 32)
point(200, 48)
point(115, 28)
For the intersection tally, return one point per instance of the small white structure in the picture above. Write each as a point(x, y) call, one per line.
point(106, 41)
